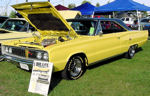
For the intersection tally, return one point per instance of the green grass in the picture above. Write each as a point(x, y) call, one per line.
point(119, 77)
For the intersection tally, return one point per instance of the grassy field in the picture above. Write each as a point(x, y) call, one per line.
point(115, 77)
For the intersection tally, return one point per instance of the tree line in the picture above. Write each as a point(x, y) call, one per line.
point(72, 5)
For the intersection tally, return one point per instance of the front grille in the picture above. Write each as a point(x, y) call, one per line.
point(23, 52)
point(18, 51)
point(32, 54)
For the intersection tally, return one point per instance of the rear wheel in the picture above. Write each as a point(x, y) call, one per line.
point(131, 52)
point(75, 68)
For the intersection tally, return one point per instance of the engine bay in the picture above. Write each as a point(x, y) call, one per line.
point(47, 40)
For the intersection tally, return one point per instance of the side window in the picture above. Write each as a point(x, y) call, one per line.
point(111, 27)
point(127, 19)
point(84, 27)
point(145, 20)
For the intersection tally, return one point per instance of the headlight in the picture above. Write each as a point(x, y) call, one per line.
point(45, 56)
point(42, 55)
point(39, 55)
point(10, 49)
point(6, 49)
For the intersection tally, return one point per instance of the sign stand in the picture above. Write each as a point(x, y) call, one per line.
point(40, 77)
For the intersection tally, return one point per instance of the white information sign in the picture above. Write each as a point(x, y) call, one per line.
point(40, 77)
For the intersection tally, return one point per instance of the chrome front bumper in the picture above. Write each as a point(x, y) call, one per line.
point(19, 60)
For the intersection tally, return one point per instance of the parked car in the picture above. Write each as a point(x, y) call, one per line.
point(2, 19)
point(70, 45)
point(145, 23)
point(70, 14)
point(128, 21)
point(15, 28)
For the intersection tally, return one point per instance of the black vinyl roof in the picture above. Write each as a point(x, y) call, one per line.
point(101, 19)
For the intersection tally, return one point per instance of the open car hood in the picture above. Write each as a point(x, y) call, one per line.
point(45, 18)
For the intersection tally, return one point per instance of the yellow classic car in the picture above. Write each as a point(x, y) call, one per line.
point(70, 45)
point(70, 14)
point(15, 28)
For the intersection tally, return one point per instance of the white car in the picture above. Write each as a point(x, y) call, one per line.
point(128, 20)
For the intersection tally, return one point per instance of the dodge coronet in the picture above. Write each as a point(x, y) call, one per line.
point(70, 45)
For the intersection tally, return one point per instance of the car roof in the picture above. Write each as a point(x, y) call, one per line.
point(93, 19)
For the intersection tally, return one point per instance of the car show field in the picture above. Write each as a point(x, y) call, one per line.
point(115, 77)
point(85, 50)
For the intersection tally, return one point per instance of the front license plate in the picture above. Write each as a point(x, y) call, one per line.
point(24, 66)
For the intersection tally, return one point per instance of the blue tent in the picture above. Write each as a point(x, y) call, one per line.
point(122, 5)
point(85, 9)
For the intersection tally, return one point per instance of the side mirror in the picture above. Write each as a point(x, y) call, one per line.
point(100, 33)
point(29, 31)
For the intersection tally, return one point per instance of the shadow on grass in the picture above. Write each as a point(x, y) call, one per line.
point(55, 80)
point(139, 49)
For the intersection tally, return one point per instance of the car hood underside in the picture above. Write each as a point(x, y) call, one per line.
point(45, 18)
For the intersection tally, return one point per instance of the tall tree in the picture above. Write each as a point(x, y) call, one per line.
point(12, 14)
point(85, 2)
point(72, 5)
point(4, 7)
point(97, 4)
point(108, 2)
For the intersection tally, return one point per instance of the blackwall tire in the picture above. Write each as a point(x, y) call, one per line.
point(74, 69)
point(131, 52)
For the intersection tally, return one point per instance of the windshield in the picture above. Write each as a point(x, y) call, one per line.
point(83, 27)
point(15, 25)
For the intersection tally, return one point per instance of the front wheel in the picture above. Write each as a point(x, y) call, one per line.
point(75, 68)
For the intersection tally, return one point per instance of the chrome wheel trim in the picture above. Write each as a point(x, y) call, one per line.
point(132, 52)
point(76, 67)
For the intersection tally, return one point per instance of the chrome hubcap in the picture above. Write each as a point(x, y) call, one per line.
point(132, 52)
point(76, 67)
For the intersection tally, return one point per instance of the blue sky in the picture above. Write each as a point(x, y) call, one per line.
point(3, 3)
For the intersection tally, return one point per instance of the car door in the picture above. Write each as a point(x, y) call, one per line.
point(124, 36)
point(106, 42)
